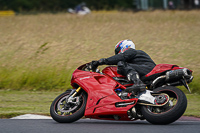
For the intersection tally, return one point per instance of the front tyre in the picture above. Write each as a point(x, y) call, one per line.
point(67, 112)
point(170, 112)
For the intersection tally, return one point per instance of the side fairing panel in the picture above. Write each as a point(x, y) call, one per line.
point(97, 87)
point(101, 95)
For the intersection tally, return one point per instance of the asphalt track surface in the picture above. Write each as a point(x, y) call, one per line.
point(183, 125)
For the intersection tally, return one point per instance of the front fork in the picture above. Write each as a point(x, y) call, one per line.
point(72, 95)
point(75, 92)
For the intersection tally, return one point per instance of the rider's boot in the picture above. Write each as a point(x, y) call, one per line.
point(138, 85)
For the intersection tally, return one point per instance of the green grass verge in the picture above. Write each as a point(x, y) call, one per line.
point(14, 103)
point(193, 108)
point(46, 78)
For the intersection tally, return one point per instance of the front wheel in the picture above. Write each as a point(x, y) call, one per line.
point(170, 112)
point(63, 110)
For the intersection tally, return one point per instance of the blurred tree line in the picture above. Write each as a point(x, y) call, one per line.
point(62, 5)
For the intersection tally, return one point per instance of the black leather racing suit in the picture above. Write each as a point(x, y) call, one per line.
point(132, 60)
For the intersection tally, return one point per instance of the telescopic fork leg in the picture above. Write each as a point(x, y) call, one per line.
point(77, 90)
point(73, 94)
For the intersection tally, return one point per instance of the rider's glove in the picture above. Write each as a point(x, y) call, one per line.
point(102, 61)
point(95, 64)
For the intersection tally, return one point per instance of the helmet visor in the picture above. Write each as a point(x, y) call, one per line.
point(117, 50)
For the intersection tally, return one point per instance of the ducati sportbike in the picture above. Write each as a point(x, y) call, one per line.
point(101, 95)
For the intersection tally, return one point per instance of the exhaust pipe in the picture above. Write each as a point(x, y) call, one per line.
point(176, 75)
point(173, 78)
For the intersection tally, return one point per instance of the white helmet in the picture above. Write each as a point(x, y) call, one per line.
point(123, 45)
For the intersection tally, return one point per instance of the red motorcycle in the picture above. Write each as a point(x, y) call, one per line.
point(101, 95)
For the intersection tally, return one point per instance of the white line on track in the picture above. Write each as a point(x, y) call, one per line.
point(31, 116)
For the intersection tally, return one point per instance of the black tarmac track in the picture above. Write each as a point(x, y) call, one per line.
point(183, 125)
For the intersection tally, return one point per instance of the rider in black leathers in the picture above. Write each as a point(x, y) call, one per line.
point(130, 63)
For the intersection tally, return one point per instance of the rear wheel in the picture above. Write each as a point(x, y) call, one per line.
point(64, 111)
point(170, 112)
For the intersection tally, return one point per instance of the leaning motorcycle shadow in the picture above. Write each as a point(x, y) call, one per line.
point(94, 121)
point(137, 122)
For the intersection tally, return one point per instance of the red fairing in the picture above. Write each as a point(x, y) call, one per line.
point(111, 71)
point(161, 68)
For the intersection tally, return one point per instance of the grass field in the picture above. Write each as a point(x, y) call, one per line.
point(40, 52)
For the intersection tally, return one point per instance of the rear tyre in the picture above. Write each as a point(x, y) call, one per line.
point(170, 112)
point(64, 112)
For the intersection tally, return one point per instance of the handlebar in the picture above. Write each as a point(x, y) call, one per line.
point(88, 67)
